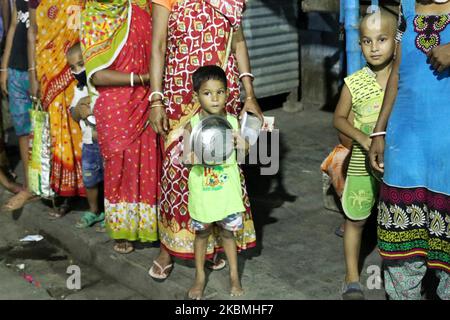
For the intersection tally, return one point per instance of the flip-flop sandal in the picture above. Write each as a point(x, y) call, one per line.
point(352, 291)
point(129, 248)
point(89, 219)
point(59, 212)
point(216, 266)
point(162, 276)
point(55, 215)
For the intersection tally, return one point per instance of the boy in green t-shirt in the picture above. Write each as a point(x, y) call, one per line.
point(215, 193)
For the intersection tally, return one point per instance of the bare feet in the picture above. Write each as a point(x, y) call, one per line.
point(196, 292)
point(236, 288)
point(123, 246)
point(19, 200)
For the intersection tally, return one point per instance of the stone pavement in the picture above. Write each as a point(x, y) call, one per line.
point(297, 256)
point(15, 288)
point(38, 270)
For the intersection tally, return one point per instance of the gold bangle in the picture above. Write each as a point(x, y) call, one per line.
point(250, 98)
point(154, 101)
point(153, 106)
point(142, 80)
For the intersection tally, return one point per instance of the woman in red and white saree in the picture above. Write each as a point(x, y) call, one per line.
point(187, 35)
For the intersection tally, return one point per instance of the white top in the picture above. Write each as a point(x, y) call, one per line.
point(85, 128)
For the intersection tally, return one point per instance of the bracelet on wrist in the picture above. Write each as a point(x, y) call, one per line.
point(378, 134)
point(153, 106)
point(132, 79)
point(157, 104)
point(156, 93)
point(156, 101)
point(246, 74)
point(142, 80)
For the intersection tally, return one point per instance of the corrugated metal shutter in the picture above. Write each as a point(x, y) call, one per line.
point(270, 28)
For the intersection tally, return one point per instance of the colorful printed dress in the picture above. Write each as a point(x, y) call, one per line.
point(199, 33)
point(55, 36)
point(117, 36)
point(414, 209)
point(361, 187)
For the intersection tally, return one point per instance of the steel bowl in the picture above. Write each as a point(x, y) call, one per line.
point(212, 140)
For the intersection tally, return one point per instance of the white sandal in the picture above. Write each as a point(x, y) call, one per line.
point(160, 277)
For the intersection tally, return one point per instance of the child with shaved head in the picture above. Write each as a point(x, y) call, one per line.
point(362, 95)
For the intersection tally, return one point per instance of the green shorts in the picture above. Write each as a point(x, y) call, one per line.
point(360, 194)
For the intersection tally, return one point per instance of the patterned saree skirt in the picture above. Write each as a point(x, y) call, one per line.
point(414, 222)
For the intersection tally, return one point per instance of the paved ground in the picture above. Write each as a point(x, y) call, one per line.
point(297, 257)
point(38, 270)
